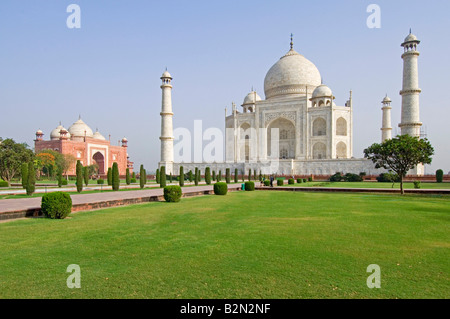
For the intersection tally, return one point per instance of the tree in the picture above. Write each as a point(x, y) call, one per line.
point(208, 176)
point(236, 176)
point(109, 176)
point(86, 175)
point(24, 173)
point(115, 177)
point(46, 162)
point(214, 176)
point(219, 177)
point(133, 175)
point(227, 176)
point(196, 177)
point(12, 155)
point(170, 178)
point(158, 176)
point(162, 178)
point(400, 154)
point(127, 176)
point(142, 174)
point(249, 175)
point(439, 176)
point(181, 178)
point(190, 176)
point(199, 176)
point(79, 173)
point(59, 177)
point(31, 179)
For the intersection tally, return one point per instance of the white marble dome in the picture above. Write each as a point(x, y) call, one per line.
point(80, 129)
point(410, 37)
point(55, 134)
point(98, 136)
point(386, 99)
point(290, 75)
point(251, 98)
point(166, 75)
point(322, 91)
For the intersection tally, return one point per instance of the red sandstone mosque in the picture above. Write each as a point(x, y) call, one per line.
point(86, 146)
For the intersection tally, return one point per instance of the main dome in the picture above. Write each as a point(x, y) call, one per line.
point(291, 75)
point(80, 129)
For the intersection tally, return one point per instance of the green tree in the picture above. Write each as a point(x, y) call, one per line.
point(162, 178)
point(59, 177)
point(86, 175)
point(439, 176)
point(170, 178)
point(127, 176)
point(158, 176)
point(214, 175)
point(24, 173)
point(133, 175)
point(31, 179)
point(109, 176)
point(219, 177)
point(115, 177)
point(249, 175)
point(199, 176)
point(208, 176)
point(196, 177)
point(236, 176)
point(190, 176)
point(400, 154)
point(12, 155)
point(142, 174)
point(227, 176)
point(79, 174)
point(181, 178)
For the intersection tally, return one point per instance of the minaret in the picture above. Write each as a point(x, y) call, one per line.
point(386, 128)
point(410, 122)
point(166, 124)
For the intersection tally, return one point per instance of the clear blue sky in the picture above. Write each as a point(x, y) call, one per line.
point(109, 70)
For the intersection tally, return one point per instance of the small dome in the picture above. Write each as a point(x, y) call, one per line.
point(322, 91)
point(166, 75)
point(98, 136)
point(55, 134)
point(80, 129)
point(124, 140)
point(292, 74)
point(251, 98)
point(410, 37)
point(39, 132)
point(386, 99)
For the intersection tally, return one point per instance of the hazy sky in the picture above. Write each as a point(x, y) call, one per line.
point(109, 70)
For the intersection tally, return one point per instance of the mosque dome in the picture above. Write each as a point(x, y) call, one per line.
point(322, 91)
point(98, 136)
point(56, 133)
point(291, 75)
point(79, 129)
point(251, 98)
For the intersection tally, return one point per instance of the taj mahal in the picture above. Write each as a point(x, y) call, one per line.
point(297, 129)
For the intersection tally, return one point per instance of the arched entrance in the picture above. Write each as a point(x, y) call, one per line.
point(286, 142)
point(100, 161)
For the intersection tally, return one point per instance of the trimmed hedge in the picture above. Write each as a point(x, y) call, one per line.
point(439, 176)
point(133, 180)
point(280, 182)
point(64, 182)
point(291, 181)
point(220, 188)
point(250, 186)
point(417, 184)
point(266, 183)
point(100, 181)
point(56, 205)
point(299, 180)
point(304, 180)
point(172, 194)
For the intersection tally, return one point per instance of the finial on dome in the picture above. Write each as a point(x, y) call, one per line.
point(409, 30)
point(292, 41)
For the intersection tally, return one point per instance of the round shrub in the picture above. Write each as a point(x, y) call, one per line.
point(100, 181)
point(172, 194)
point(299, 180)
point(291, 181)
point(304, 180)
point(249, 186)
point(56, 205)
point(280, 182)
point(64, 182)
point(133, 180)
point(417, 184)
point(220, 188)
point(266, 183)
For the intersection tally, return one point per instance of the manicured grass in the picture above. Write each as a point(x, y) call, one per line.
point(406, 185)
point(243, 245)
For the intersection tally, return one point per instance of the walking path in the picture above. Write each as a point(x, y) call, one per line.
point(29, 207)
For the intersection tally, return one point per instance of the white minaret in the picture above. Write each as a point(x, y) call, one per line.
point(410, 122)
point(166, 124)
point(386, 129)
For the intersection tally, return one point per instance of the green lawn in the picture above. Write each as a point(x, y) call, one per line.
point(243, 245)
point(407, 185)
